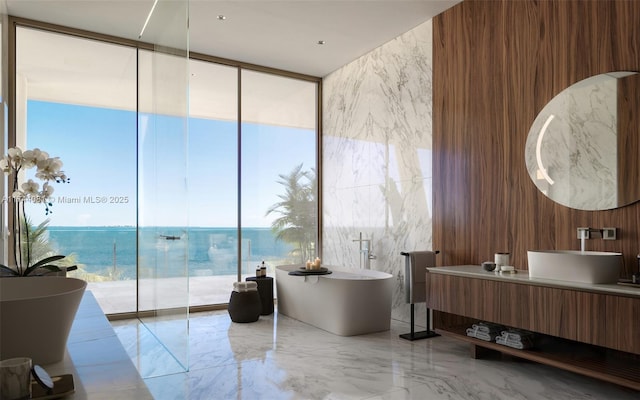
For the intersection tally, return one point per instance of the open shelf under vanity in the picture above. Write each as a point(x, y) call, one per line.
point(593, 331)
point(609, 365)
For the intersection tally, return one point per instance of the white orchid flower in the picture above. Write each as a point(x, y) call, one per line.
point(15, 157)
point(18, 195)
point(30, 158)
point(31, 188)
point(41, 155)
point(49, 169)
point(47, 190)
point(56, 163)
point(5, 165)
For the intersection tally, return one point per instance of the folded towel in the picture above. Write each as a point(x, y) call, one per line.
point(518, 345)
point(516, 334)
point(488, 327)
point(245, 286)
point(471, 332)
point(488, 337)
point(526, 344)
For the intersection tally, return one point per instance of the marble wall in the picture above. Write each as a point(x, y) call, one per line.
point(377, 171)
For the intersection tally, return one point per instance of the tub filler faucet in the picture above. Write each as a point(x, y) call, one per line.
point(365, 252)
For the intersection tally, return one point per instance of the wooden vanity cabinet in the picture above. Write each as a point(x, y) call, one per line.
point(601, 324)
point(623, 324)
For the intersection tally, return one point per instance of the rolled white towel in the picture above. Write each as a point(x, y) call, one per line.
point(471, 332)
point(245, 286)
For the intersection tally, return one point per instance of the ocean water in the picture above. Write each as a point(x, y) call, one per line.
point(163, 251)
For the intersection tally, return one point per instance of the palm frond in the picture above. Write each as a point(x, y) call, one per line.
point(296, 223)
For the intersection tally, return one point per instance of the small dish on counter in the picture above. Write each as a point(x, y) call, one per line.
point(488, 266)
point(510, 269)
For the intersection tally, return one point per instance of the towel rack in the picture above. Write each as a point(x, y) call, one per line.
point(413, 296)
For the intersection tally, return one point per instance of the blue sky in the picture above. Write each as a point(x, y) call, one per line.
point(98, 149)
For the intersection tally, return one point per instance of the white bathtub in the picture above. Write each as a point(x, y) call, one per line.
point(346, 302)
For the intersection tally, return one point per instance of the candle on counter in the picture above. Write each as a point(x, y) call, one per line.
point(308, 266)
point(316, 263)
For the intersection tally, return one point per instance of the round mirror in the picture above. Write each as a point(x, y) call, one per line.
point(583, 148)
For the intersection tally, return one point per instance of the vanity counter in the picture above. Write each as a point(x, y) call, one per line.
point(100, 366)
point(522, 276)
point(589, 329)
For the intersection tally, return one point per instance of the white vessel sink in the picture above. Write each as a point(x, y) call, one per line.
point(575, 266)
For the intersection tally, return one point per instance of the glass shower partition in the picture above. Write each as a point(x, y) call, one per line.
point(163, 276)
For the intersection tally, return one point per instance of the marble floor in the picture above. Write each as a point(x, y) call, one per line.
point(280, 358)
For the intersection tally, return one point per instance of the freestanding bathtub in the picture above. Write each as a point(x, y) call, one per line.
point(346, 302)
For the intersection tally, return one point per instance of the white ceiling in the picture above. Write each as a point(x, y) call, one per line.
point(277, 34)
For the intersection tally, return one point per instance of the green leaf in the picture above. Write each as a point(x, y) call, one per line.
point(6, 269)
point(51, 268)
point(47, 260)
point(42, 264)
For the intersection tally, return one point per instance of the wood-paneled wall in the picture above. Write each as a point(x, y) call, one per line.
point(628, 139)
point(496, 64)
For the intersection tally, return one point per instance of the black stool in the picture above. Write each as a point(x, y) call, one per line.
point(265, 288)
point(245, 306)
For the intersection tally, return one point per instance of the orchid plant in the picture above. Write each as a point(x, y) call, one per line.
point(49, 171)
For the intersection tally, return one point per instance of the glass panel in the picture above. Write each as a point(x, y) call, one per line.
point(4, 63)
point(213, 166)
point(279, 190)
point(163, 240)
point(65, 108)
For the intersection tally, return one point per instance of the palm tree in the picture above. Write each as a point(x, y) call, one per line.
point(297, 221)
point(37, 250)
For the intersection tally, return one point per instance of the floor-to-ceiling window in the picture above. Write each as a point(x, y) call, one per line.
point(250, 167)
point(76, 99)
point(278, 167)
point(213, 160)
point(256, 144)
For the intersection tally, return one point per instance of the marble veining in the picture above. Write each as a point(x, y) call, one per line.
point(281, 358)
point(97, 360)
point(377, 175)
point(578, 150)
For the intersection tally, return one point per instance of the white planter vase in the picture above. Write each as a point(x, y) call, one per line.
point(36, 314)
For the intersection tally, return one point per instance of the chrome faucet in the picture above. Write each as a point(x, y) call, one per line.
point(365, 252)
point(586, 233)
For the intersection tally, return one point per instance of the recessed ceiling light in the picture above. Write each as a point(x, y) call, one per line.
point(221, 17)
point(321, 42)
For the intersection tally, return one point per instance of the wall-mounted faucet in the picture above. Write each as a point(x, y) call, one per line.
point(366, 252)
point(587, 233)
